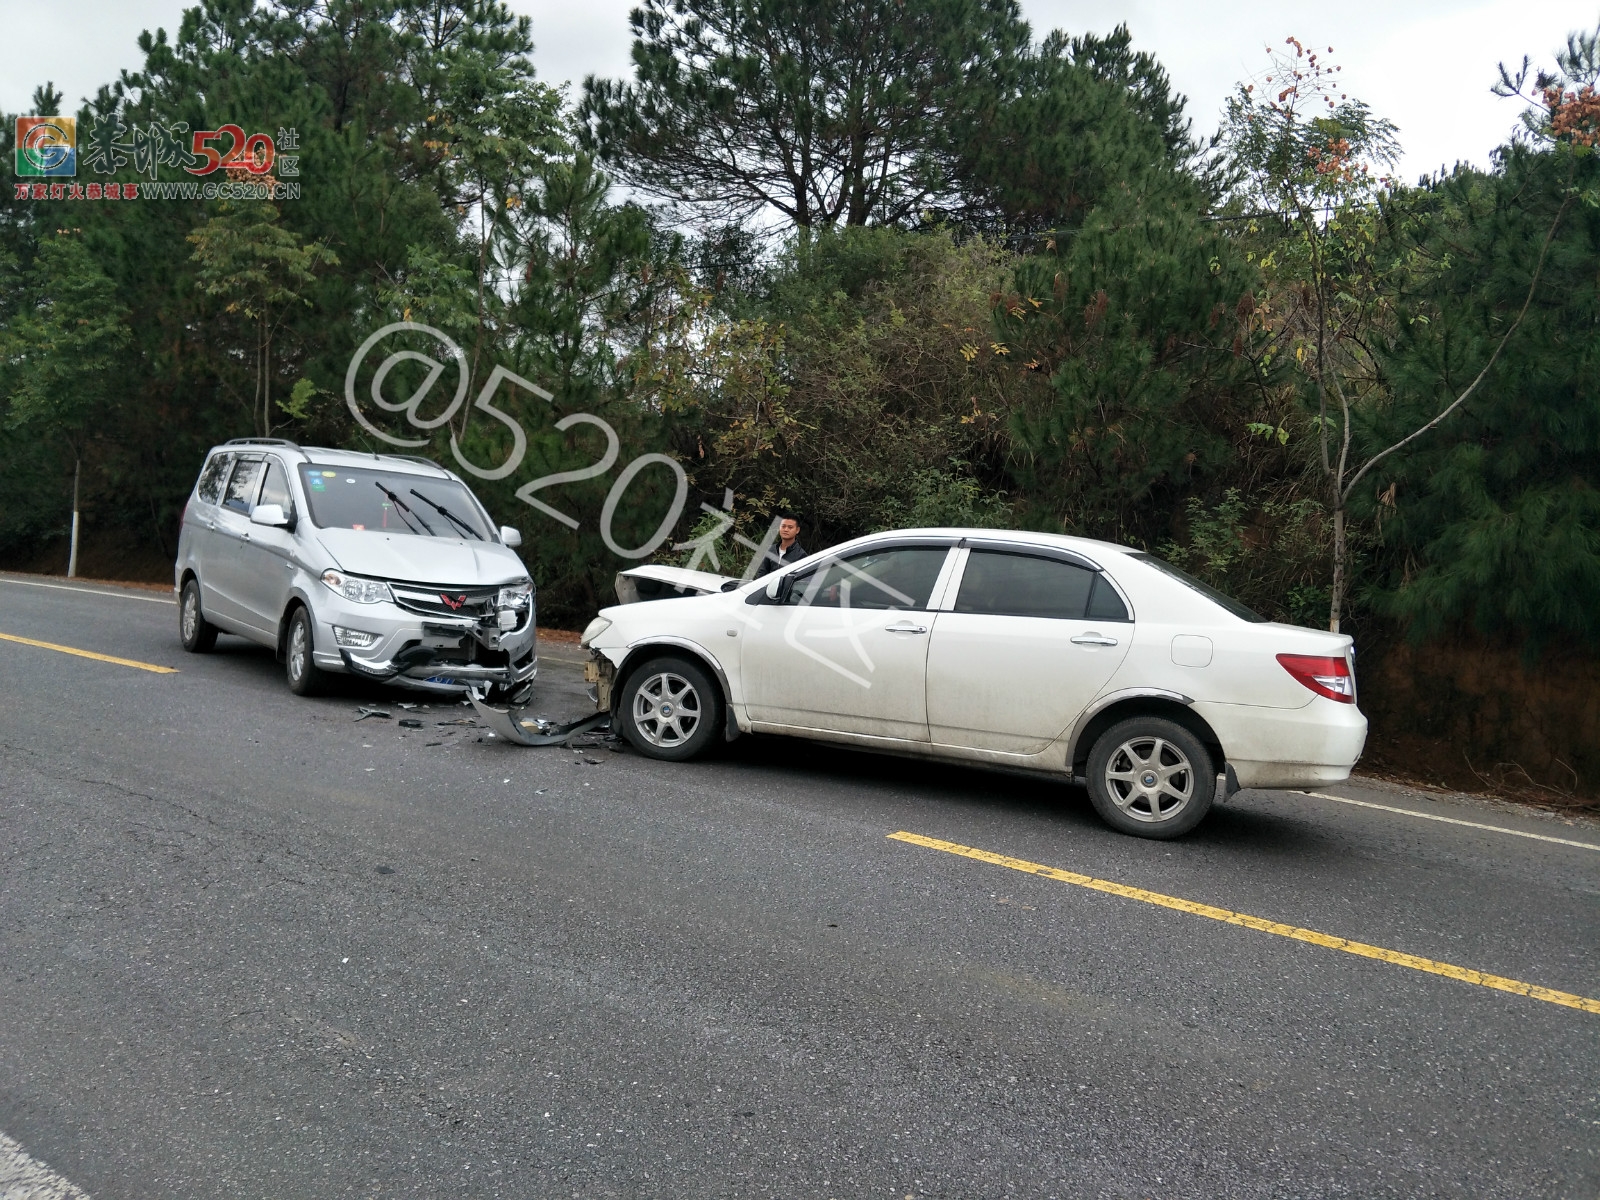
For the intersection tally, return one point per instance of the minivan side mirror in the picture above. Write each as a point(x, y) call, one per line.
point(509, 537)
point(269, 514)
point(775, 588)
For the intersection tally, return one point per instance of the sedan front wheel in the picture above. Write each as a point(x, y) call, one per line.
point(1151, 777)
point(670, 709)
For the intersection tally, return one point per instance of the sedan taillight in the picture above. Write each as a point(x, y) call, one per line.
point(1325, 676)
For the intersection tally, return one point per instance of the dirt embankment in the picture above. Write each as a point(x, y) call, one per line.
point(1477, 717)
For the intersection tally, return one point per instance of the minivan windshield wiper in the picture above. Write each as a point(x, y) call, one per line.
point(447, 514)
point(402, 509)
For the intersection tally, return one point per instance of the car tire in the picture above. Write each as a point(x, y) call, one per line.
point(1151, 777)
point(199, 635)
point(670, 708)
point(305, 677)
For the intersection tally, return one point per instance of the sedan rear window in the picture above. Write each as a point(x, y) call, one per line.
point(1206, 590)
point(392, 502)
point(1022, 585)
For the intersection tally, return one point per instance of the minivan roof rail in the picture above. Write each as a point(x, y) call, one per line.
point(254, 441)
point(309, 451)
point(416, 458)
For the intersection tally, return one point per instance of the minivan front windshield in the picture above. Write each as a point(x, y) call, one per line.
point(391, 502)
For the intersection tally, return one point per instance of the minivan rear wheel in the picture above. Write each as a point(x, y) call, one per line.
point(305, 677)
point(198, 634)
point(1151, 777)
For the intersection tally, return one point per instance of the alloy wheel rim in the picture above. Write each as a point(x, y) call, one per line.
point(191, 614)
point(297, 649)
point(1150, 779)
point(666, 710)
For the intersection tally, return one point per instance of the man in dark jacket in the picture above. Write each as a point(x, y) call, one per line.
point(788, 548)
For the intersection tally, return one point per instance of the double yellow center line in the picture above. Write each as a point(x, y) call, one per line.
point(1361, 949)
point(110, 658)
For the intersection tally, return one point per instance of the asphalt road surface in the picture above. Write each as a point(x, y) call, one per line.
point(250, 946)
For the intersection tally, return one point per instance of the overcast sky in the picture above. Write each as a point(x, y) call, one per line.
point(1425, 64)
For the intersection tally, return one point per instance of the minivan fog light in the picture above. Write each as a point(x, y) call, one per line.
point(357, 639)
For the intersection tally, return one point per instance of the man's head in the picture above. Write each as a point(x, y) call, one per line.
point(788, 529)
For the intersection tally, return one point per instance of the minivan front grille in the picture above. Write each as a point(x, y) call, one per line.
point(474, 602)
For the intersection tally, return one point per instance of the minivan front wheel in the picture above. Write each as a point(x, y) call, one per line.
point(198, 634)
point(305, 677)
point(1151, 777)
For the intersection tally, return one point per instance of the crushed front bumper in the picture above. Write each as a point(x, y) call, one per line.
point(433, 654)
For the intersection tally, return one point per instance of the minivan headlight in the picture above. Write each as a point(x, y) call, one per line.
point(361, 591)
point(516, 596)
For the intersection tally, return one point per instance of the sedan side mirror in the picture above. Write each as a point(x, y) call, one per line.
point(269, 514)
point(775, 588)
point(509, 537)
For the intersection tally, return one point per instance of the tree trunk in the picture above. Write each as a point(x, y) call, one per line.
point(266, 380)
point(72, 555)
point(1336, 605)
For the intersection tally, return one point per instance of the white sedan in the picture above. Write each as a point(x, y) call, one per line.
point(1057, 654)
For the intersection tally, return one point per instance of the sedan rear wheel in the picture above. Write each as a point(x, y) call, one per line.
point(670, 709)
point(1151, 777)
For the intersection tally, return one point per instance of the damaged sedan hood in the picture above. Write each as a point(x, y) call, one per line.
point(407, 558)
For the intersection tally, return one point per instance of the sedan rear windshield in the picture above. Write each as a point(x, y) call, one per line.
point(394, 502)
point(1206, 590)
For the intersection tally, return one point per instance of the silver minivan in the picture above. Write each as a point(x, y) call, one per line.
point(383, 566)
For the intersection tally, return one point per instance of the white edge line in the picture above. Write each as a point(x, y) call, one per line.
point(63, 587)
point(23, 1175)
point(1411, 812)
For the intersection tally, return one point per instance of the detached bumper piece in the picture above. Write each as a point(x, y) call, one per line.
point(508, 725)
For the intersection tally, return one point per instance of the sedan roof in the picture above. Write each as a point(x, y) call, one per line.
point(1018, 537)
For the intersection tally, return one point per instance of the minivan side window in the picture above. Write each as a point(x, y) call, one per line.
point(275, 488)
point(212, 475)
point(241, 493)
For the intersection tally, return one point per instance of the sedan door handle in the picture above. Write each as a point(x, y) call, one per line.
point(905, 629)
point(1093, 639)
